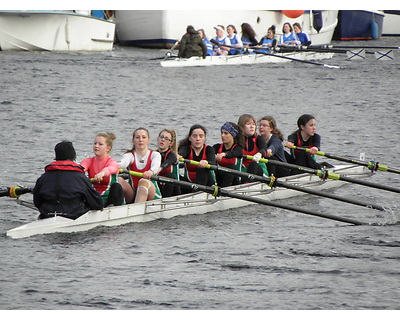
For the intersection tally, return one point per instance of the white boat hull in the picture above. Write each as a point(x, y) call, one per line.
point(244, 59)
point(391, 23)
point(161, 28)
point(194, 203)
point(54, 31)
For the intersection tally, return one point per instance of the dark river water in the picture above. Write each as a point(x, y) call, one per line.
point(256, 257)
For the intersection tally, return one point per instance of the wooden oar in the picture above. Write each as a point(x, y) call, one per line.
point(216, 191)
point(373, 166)
point(14, 192)
point(328, 175)
point(298, 60)
point(278, 183)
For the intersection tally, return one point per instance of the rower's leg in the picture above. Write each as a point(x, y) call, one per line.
point(145, 191)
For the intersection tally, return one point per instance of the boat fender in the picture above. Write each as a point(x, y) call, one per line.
point(374, 30)
point(292, 14)
point(317, 20)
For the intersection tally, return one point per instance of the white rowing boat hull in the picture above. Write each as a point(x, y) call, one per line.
point(194, 203)
point(245, 59)
point(161, 28)
point(54, 31)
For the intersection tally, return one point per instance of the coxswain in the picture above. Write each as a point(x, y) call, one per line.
point(64, 189)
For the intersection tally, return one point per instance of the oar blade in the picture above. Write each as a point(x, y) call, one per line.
point(356, 54)
point(384, 55)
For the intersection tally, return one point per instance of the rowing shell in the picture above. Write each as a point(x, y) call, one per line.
point(193, 203)
point(245, 59)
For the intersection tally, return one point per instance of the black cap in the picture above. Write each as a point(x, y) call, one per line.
point(65, 151)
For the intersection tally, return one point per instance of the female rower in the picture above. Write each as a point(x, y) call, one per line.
point(169, 161)
point(268, 43)
point(254, 145)
point(303, 37)
point(104, 170)
point(248, 35)
point(193, 147)
point(236, 42)
point(305, 137)
point(275, 151)
point(207, 42)
point(221, 39)
point(141, 159)
point(229, 154)
point(288, 38)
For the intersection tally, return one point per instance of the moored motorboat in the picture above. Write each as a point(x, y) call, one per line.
point(246, 59)
point(161, 28)
point(359, 25)
point(193, 203)
point(391, 23)
point(54, 31)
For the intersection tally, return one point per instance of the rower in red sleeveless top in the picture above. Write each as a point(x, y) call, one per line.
point(169, 162)
point(193, 147)
point(141, 159)
point(229, 154)
point(254, 145)
point(305, 137)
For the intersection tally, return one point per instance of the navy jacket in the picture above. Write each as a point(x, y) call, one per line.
point(64, 189)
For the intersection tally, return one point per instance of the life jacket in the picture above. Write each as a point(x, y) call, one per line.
point(191, 169)
point(133, 167)
point(246, 162)
point(224, 162)
point(65, 165)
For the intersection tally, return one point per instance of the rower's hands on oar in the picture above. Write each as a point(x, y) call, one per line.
point(148, 174)
point(220, 156)
point(98, 177)
point(203, 163)
point(288, 144)
point(313, 150)
point(257, 157)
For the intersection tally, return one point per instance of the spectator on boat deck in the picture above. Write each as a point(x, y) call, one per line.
point(104, 170)
point(304, 137)
point(141, 159)
point(64, 188)
point(288, 38)
point(207, 42)
point(191, 44)
point(167, 147)
point(254, 145)
point(303, 37)
point(236, 42)
point(220, 40)
point(229, 154)
point(268, 42)
point(193, 147)
point(248, 35)
point(275, 151)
